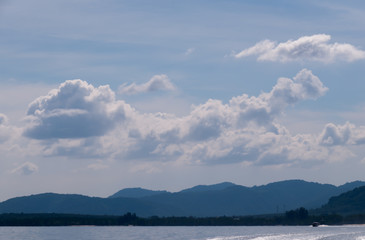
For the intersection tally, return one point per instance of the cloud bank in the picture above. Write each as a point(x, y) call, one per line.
point(75, 110)
point(307, 48)
point(156, 83)
point(88, 122)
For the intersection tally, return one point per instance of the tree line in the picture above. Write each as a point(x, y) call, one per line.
point(298, 216)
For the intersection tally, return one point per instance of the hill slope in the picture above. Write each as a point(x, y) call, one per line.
point(214, 187)
point(135, 193)
point(79, 204)
point(240, 200)
point(352, 202)
point(212, 200)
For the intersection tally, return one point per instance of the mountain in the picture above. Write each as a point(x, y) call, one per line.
point(299, 193)
point(351, 202)
point(135, 193)
point(351, 185)
point(79, 204)
point(216, 200)
point(201, 201)
point(214, 187)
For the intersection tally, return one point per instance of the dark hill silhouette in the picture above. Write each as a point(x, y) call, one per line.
point(351, 202)
point(135, 193)
point(79, 204)
point(214, 187)
point(240, 200)
point(299, 192)
point(201, 201)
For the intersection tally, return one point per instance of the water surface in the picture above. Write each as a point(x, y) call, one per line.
point(184, 233)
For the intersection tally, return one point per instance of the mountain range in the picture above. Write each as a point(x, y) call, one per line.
point(220, 199)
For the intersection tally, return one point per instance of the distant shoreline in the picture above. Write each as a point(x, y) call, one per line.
point(129, 219)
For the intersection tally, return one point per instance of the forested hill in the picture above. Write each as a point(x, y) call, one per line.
point(351, 202)
point(135, 193)
point(224, 199)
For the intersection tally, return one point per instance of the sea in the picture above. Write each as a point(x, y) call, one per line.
point(350, 232)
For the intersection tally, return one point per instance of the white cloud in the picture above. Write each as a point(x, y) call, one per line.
point(3, 119)
point(26, 168)
point(156, 83)
point(75, 110)
point(347, 134)
point(336, 135)
point(262, 109)
point(243, 130)
point(6, 131)
point(307, 48)
point(189, 51)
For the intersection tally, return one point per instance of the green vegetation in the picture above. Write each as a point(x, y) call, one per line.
point(299, 216)
point(351, 202)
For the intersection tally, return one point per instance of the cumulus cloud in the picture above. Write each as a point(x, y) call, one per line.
point(156, 83)
point(263, 109)
point(307, 48)
point(3, 119)
point(75, 110)
point(6, 130)
point(358, 135)
point(242, 130)
point(26, 168)
point(336, 135)
point(347, 134)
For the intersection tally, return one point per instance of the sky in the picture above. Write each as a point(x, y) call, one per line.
point(97, 96)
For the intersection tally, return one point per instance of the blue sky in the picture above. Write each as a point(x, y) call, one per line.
point(101, 95)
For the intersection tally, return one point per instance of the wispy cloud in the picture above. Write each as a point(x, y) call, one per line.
point(307, 48)
point(189, 51)
point(156, 83)
point(97, 166)
point(26, 168)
